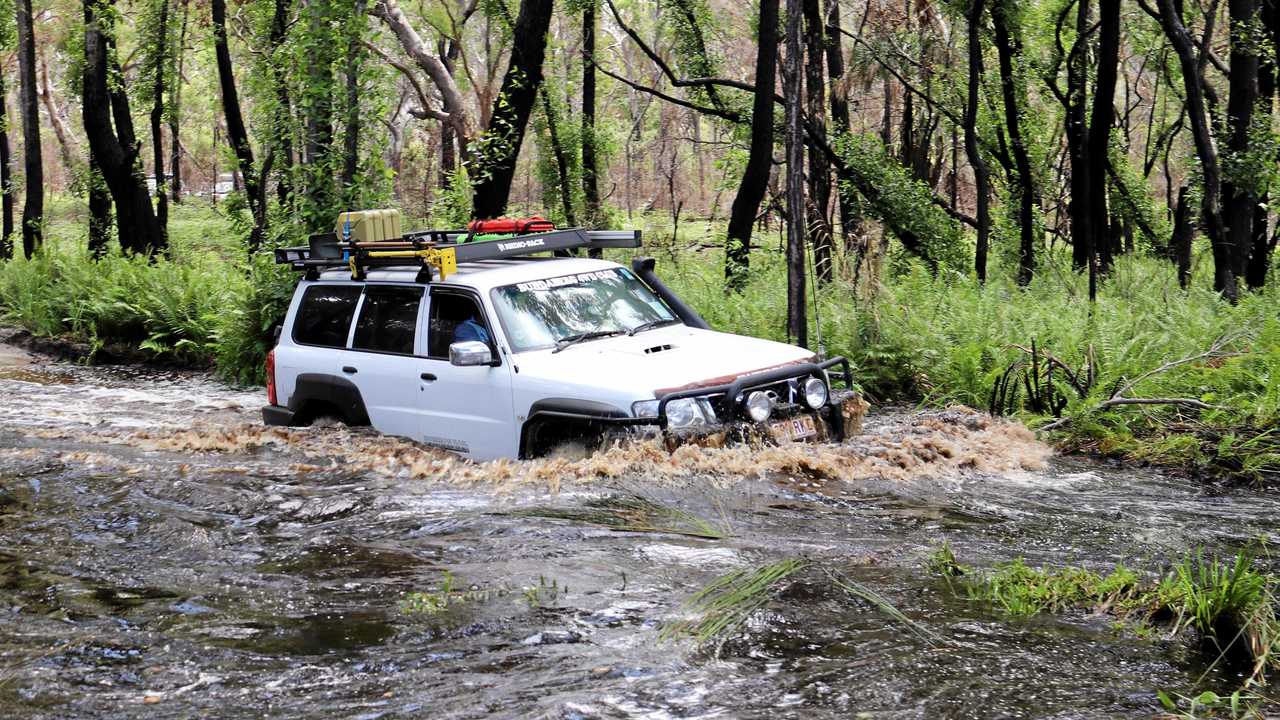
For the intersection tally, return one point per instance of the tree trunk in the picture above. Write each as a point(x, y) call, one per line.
point(755, 178)
point(819, 175)
point(590, 181)
point(319, 198)
point(351, 136)
point(1098, 144)
point(1260, 252)
point(237, 135)
point(797, 323)
point(849, 221)
point(177, 53)
point(1077, 133)
point(495, 158)
point(33, 208)
point(1184, 230)
point(282, 124)
point(1224, 277)
point(99, 210)
point(160, 48)
point(116, 151)
point(66, 145)
point(981, 174)
point(561, 157)
point(1007, 45)
point(1238, 199)
point(6, 177)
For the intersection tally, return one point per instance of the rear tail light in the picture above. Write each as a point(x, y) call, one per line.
point(271, 378)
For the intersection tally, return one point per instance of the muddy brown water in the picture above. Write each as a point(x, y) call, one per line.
point(162, 555)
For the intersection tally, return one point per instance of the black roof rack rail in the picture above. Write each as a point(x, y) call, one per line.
point(440, 250)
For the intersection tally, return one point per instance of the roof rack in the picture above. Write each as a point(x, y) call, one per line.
point(441, 250)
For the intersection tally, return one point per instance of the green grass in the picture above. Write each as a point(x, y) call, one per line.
point(721, 608)
point(1226, 602)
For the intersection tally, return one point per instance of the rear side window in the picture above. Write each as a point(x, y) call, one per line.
point(325, 315)
point(388, 319)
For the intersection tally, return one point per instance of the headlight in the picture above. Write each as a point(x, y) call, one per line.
point(815, 393)
point(759, 406)
point(684, 413)
point(645, 409)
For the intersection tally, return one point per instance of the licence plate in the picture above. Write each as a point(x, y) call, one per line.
point(796, 428)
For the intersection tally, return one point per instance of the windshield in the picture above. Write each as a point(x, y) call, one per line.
point(538, 313)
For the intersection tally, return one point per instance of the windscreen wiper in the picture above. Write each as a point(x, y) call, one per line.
point(648, 326)
point(568, 340)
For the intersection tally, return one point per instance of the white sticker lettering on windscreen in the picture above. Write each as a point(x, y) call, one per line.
point(566, 280)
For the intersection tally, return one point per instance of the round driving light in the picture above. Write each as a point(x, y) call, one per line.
point(682, 413)
point(759, 406)
point(815, 393)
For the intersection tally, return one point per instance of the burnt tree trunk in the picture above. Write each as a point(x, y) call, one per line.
point(1077, 132)
point(176, 54)
point(561, 157)
point(33, 207)
point(161, 47)
point(797, 324)
point(237, 135)
point(495, 159)
point(282, 134)
point(981, 174)
point(115, 149)
point(1238, 200)
point(1184, 230)
point(1260, 250)
point(1224, 277)
point(351, 136)
point(1007, 46)
point(839, 115)
point(317, 104)
point(6, 177)
point(99, 210)
point(590, 171)
point(755, 178)
point(819, 175)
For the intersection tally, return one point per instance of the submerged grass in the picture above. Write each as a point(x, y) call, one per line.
point(1229, 604)
point(632, 513)
point(722, 607)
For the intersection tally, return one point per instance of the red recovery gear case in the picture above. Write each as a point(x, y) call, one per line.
point(518, 226)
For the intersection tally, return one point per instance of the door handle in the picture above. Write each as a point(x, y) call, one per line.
point(429, 377)
point(348, 370)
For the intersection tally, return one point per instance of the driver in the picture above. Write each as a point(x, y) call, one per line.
point(470, 330)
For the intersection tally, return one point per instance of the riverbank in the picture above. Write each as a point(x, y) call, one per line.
point(1150, 374)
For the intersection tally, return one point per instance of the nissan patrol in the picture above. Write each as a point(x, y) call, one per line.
point(478, 347)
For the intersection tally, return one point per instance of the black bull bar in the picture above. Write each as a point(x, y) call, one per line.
point(733, 390)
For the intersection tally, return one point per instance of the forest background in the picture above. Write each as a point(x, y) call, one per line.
point(1058, 209)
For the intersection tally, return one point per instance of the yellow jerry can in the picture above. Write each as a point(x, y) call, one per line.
point(369, 225)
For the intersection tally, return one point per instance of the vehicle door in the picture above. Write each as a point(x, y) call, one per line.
point(382, 361)
point(465, 409)
point(320, 331)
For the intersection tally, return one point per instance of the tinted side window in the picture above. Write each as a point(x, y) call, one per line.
point(449, 313)
point(388, 319)
point(325, 315)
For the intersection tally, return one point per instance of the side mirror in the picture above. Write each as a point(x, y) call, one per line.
point(470, 353)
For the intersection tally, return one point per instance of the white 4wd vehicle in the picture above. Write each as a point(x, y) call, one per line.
point(480, 349)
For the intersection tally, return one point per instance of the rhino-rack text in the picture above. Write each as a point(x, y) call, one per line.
point(521, 244)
